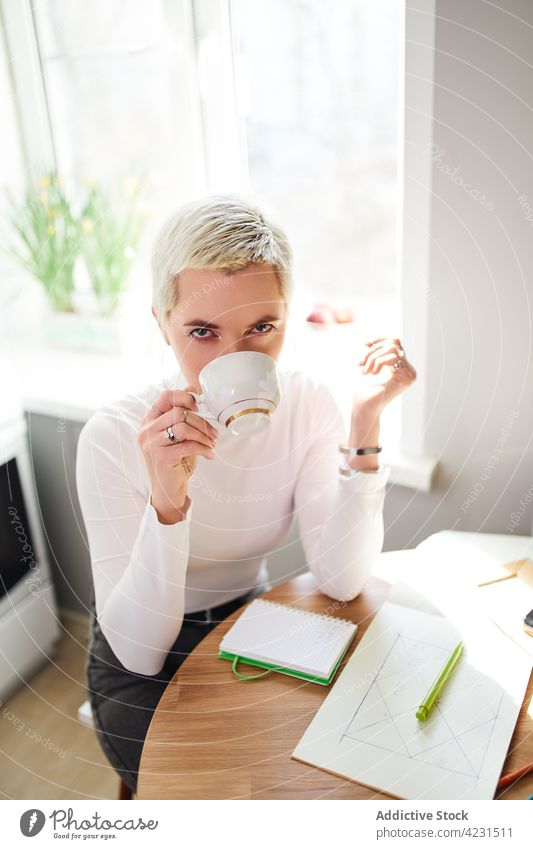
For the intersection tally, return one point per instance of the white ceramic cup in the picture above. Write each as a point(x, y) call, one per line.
point(240, 391)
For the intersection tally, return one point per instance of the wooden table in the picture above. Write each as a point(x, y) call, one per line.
point(213, 736)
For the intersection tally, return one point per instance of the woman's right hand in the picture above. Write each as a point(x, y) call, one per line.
point(168, 475)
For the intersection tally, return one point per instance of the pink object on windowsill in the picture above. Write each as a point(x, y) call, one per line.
point(325, 315)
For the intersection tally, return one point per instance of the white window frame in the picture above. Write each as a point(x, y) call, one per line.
point(29, 90)
point(414, 466)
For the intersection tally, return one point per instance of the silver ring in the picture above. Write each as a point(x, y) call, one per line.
point(169, 433)
point(185, 411)
point(401, 361)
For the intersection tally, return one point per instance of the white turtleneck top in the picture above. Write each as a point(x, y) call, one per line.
point(147, 574)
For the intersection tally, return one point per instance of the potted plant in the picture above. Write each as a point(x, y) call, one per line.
point(45, 238)
point(59, 246)
point(112, 222)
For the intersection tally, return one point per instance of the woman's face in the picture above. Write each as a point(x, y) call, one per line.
point(220, 313)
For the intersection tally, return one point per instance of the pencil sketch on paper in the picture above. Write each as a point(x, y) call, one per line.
point(452, 738)
point(366, 729)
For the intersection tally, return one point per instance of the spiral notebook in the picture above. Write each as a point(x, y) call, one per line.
point(286, 639)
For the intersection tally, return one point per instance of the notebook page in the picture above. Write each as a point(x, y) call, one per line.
point(285, 636)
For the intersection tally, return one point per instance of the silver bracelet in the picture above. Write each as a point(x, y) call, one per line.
point(353, 452)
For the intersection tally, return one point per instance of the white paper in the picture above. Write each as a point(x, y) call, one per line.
point(367, 730)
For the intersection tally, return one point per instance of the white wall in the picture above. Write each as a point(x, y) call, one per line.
point(477, 293)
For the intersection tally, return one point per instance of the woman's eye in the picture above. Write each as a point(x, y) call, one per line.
point(201, 330)
point(198, 332)
point(265, 325)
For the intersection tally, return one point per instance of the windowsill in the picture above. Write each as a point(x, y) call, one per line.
point(412, 472)
point(72, 385)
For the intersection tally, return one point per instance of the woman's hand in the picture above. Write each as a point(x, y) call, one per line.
point(379, 357)
point(168, 474)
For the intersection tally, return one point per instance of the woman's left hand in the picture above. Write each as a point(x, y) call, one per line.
point(380, 356)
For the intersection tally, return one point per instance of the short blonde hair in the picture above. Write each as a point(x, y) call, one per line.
point(219, 232)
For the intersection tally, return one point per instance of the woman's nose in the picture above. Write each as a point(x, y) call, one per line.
point(236, 345)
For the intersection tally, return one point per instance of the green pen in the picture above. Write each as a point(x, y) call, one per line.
point(438, 685)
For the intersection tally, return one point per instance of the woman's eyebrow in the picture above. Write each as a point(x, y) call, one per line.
point(199, 322)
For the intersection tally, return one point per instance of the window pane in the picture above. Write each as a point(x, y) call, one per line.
point(120, 90)
point(319, 84)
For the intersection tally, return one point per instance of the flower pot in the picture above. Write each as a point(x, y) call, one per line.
point(84, 331)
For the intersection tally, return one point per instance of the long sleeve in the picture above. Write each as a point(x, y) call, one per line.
point(340, 519)
point(138, 564)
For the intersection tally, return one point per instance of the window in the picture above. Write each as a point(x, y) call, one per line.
point(318, 85)
point(293, 103)
point(121, 91)
point(11, 173)
point(315, 101)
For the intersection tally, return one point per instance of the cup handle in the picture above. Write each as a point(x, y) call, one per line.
point(198, 398)
point(200, 401)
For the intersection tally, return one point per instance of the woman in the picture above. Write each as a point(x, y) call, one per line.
point(180, 521)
